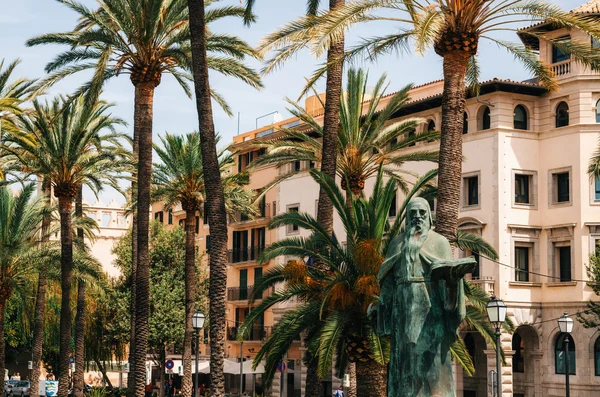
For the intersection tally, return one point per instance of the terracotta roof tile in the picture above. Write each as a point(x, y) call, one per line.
point(591, 7)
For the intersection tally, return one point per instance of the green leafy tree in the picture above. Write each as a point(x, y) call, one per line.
point(20, 218)
point(591, 317)
point(366, 138)
point(144, 39)
point(65, 142)
point(179, 179)
point(453, 29)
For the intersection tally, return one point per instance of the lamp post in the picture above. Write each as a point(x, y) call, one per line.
point(197, 323)
point(496, 311)
point(565, 323)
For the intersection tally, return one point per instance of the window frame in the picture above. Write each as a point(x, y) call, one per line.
point(557, 53)
point(519, 356)
point(523, 271)
point(597, 111)
point(524, 235)
point(485, 119)
point(553, 187)
point(596, 350)
point(525, 120)
point(533, 187)
point(465, 123)
point(292, 229)
point(465, 205)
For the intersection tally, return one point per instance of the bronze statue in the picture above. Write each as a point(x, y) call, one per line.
point(421, 305)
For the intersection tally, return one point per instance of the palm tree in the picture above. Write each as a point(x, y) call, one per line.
point(143, 39)
point(179, 179)
point(453, 28)
point(63, 141)
point(365, 136)
point(331, 119)
point(20, 219)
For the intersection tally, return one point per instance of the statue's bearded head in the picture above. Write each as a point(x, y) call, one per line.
point(418, 216)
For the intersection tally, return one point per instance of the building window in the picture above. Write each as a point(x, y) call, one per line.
point(158, 216)
point(471, 190)
point(562, 261)
point(292, 229)
point(197, 224)
point(274, 208)
point(205, 217)
point(559, 354)
point(465, 123)
point(561, 188)
point(596, 188)
point(297, 166)
point(559, 55)
point(596, 357)
point(519, 357)
point(431, 126)
point(523, 184)
point(520, 118)
point(562, 115)
point(598, 111)
point(207, 243)
point(522, 260)
point(486, 118)
point(411, 135)
point(170, 218)
point(393, 210)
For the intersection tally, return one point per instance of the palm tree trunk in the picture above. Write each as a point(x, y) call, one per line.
point(215, 202)
point(65, 203)
point(144, 96)
point(132, 284)
point(40, 302)
point(3, 299)
point(80, 313)
point(450, 166)
point(331, 121)
point(370, 379)
point(78, 381)
point(351, 390)
point(190, 299)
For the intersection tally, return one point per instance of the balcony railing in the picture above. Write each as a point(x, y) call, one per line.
point(485, 284)
point(263, 214)
point(245, 254)
point(245, 293)
point(562, 68)
point(258, 332)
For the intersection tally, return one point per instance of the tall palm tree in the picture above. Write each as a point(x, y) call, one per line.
point(453, 28)
point(145, 39)
point(179, 179)
point(20, 219)
point(331, 119)
point(366, 138)
point(64, 142)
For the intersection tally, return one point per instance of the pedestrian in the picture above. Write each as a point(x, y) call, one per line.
point(170, 388)
point(201, 389)
point(339, 392)
point(149, 389)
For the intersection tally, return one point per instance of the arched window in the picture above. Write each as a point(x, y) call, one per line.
point(520, 118)
point(519, 357)
point(411, 135)
point(431, 125)
point(465, 123)
point(597, 357)
point(559, 354)
point(562, 115)
point(485, 118)
point(470, 344)
point(598, 111)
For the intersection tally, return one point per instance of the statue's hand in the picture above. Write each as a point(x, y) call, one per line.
point(452, 271)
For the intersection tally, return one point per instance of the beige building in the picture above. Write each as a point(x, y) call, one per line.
point(525, 190)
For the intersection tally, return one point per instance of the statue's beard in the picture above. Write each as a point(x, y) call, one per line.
point(415, 238)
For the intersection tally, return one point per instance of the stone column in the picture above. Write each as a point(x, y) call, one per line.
point(505, 377)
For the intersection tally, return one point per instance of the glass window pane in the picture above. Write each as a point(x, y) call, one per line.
point(557, 54)
point(465, 123)
point(472, 190)
point(597, 187)
point(559, 355)
point(597, 357)
point(520, 118)
point(564, 258)
point(562, 115)
point(562, 187)
point(522, 189)
point(522, 264)
point(486, 121)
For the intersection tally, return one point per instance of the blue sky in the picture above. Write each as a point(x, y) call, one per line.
point(175, 113)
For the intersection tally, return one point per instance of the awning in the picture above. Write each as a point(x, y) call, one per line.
point(232, 367)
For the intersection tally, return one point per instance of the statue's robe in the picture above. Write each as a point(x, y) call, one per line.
point(421, 316)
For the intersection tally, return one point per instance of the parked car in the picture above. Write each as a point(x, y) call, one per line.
point(8, 386)
point(21, 389)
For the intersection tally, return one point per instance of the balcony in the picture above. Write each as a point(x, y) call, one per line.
point(239, 294)
point(240, 221)
point(246, 254)
point(257, 333)
point(486, 284)
point(561, 68)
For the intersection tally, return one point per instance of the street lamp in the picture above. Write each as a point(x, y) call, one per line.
point(197, 323)
point(565, 323)
point(496, 311)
